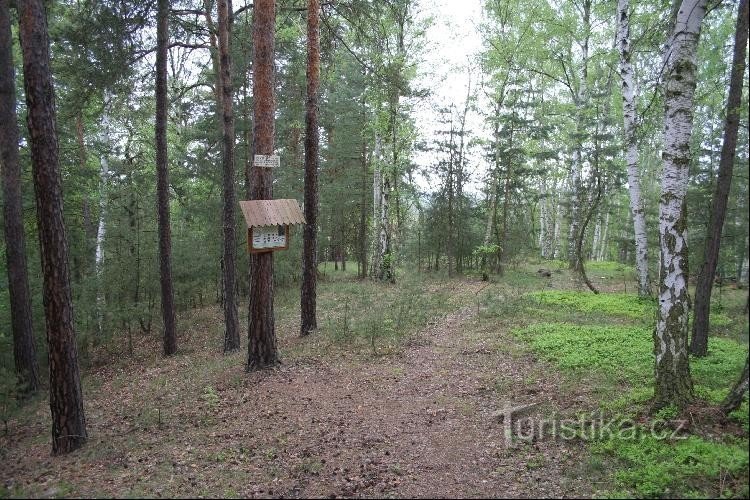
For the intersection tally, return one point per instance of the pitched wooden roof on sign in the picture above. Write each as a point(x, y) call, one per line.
point(271, 212)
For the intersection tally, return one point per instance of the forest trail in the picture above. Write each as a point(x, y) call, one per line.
point(416, 423)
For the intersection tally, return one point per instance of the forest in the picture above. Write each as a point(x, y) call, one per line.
point(374, 248)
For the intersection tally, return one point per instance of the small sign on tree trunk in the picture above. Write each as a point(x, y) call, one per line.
point(266, 161)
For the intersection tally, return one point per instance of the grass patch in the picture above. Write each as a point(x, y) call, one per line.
point(624, 355)
point(621, 358)
point(615, 304)
point(367, 313)
point(691, 467)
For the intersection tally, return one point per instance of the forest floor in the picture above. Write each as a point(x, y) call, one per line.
point(397, 395)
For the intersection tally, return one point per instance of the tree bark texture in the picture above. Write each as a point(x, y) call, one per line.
point(312, 139)
point(162, 181)
point(737, 394)
point(702, 305)
point(673, 384)
point(631, 149)
point(261, 347)
point(24, 347)
point(231, 319)
point(66, 398)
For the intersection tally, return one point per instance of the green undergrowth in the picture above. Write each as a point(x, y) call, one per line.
point(623, 357)
point(618, 359)
point(616, 304)
point(689, 468)
point(379, 316)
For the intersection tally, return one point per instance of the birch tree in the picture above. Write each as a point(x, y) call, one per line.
point(673, 385)
point(631, 148)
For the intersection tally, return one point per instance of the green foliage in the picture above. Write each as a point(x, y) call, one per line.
point(626, 353)
point(618, 356)
point(360, 313)
point(655, 468)
point(621, 350)
point(485, 250)
point(616, 304)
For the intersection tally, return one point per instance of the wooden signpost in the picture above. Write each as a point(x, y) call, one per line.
point(268, 223)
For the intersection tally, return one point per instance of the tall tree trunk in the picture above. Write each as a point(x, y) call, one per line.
point(231, 320)
point(543, 219)
point(673, 382)
point(581, 102)
point(363, 213)
point(503, 240)
point(309, 255)
point(450, 239)
point(162, 181)
point(66, 397)
point(382, 259)
point(557, 224)
point(99, 251)
point(24, 347)
point(702, 305)
point(605, 232)
point(631, 149)
point(460, 181)
point(261, 346)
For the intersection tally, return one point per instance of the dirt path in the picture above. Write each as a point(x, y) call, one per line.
point(419, 424)
point(415, 424)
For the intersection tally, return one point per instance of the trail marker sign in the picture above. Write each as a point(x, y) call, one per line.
point(266, 161)
point(268, 223)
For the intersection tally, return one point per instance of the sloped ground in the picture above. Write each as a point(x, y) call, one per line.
point(331, 421)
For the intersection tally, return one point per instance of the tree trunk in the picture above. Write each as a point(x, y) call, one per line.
point(673, 382)
point(231, 320)
point(162, 180)
point(261, 346)
point(99, 252)
point(66, 397)
point(363, 214)
point(631, 149)
point(737, 394)
point(581, 102)
point(702, 306)
point(309, 255)
point(605, 232)
point(24, 347)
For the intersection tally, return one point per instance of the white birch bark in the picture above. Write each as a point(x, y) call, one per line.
point(575, 197)
point(543, 216)
point(556, 230)
point(603, 243)
point(631, 150)
point(101, 228)
point(597, 237)
point(673, 384)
